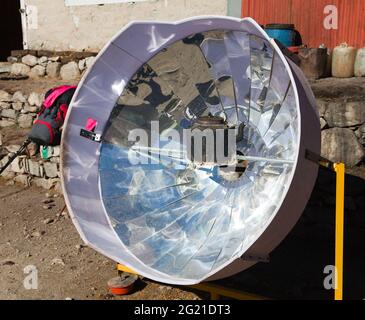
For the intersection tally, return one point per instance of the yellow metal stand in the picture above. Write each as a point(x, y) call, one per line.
point(123, 268)
point(217, 291)
point(340, 217)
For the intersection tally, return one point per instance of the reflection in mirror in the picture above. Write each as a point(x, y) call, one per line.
point(183, 218)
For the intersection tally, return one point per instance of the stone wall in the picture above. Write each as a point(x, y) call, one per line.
point(35, 170)
point(19, 109)
point(57, 65)
point(342, 121)
point(17, 112)
point(343, 129)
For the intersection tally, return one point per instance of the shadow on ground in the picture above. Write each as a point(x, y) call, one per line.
point(296, 268)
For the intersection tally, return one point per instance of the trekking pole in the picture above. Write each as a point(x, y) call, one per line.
point(19, 152)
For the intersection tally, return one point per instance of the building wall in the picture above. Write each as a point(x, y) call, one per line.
point(51, 25)
point(308, 17)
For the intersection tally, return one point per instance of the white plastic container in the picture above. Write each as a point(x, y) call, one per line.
point(343, 61)
point(360, 63)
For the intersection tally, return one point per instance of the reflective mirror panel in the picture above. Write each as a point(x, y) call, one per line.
point(179, 218)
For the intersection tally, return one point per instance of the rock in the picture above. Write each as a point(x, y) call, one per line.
point(341, 145)
point(11, 59)
point(54, 151)
point(7, 175)
point(33, 149)
point(5, 96)
point(1, 139)
point(323, 123)
point(70, 71)
point(7, 263)
point(20, 69)
point(37, 72)
point(18, 96)
point(64, 214)
point(43, 61)
point(48, 201)
point(82, 65)
point(18, 165)
point(89, 62)
point(4, 159)
point(35, 99)
point(57, 261)
point(6, 123)
point(25, 120)
point(27, 108)
point(47, 207)
point(48, 221)
point(79, 247)
point(54, 59)
point(50, 169)
point(58, 187)
point(30, 60)
point(37, 234)
point(46, 183)
point(360, 132)
point(53, 69)
point(18, 106)
point(23, 179)
point(345, 114)
point(33, 167)
point(322, 106)
point(12, 148)
point(5, 67)
point(9, 113)
point(55, 159)
point(5, 105)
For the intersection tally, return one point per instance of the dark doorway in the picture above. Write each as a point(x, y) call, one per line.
point(11, 34)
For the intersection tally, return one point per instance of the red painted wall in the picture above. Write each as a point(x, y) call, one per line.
point(308, 17)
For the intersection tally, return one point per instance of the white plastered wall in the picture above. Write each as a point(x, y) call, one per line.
point(51, 25)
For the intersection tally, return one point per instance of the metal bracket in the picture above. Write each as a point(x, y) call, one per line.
point(90, 135)
point(316, 158)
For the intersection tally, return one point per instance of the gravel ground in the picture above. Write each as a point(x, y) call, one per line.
point(34, 231)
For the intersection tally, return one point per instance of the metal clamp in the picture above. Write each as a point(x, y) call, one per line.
point(90, 135)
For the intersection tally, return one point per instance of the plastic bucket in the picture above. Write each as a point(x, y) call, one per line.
point(283, 32)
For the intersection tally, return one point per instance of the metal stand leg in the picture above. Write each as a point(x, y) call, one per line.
point(339, 168)
point(340, 205)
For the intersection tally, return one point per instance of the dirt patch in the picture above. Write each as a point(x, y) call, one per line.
point(33, 235)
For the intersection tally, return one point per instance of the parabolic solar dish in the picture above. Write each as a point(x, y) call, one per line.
point(169, 216)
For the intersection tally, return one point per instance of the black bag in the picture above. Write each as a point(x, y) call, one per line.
point(46, 129)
